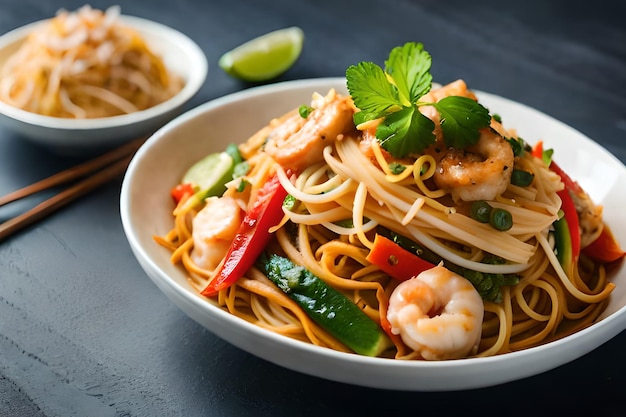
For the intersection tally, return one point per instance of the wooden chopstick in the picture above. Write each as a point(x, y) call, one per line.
point(73, 173)
point(103, 169)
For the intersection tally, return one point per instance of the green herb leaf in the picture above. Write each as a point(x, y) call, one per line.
point(398, 131)
point(393, 94)
point(409, 67)
point(371, 91)
point(461, 118)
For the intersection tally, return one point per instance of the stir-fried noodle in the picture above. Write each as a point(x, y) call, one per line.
point(86, 64)
point(348, 193)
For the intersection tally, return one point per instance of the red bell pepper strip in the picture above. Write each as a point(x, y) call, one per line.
point(396, 261)
point(180, 191)
point(605, 248)
point(252, 236)
point(537, 151)
point(570, 184)
point(567, 204)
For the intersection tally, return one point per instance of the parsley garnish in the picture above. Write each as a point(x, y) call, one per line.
point(393, 94)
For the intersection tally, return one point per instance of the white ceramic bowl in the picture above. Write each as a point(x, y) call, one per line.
point(181, 55)
point(146, 210)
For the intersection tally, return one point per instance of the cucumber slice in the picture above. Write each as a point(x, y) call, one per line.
point(326, 306)
point(210, 174)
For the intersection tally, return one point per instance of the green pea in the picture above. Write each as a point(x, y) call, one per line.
point(522, 178)
point(305, 110)
point(501, 219)
point(480, 211)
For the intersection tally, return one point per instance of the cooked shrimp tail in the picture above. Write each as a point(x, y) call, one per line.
point(439, 314)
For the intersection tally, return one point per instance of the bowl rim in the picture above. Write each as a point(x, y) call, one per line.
point(193, 82)
point(559, 351)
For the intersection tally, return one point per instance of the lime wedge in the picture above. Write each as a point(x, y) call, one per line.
point(210, 174)
point(265, 57)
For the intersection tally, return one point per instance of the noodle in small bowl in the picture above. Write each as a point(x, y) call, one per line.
point(178, 58)
point(146, 211)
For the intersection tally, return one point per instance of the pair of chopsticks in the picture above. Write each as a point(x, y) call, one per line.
point(84, 177)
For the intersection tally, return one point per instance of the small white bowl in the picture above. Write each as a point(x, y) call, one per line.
point(181, 55)
point(146, 210)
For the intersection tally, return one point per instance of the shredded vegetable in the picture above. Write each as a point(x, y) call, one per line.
point(86, 64)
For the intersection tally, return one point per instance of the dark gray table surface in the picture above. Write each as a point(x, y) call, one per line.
point(84, 332)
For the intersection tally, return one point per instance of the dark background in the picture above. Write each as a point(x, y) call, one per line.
point(84, 332)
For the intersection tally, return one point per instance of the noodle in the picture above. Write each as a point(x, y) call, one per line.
point(85, 64)
point(352, 194)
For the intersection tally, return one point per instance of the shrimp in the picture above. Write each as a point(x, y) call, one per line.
point(480, 172)
point(439, 314)
point(214, 228)
point(455, 88)
point(298, 142)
